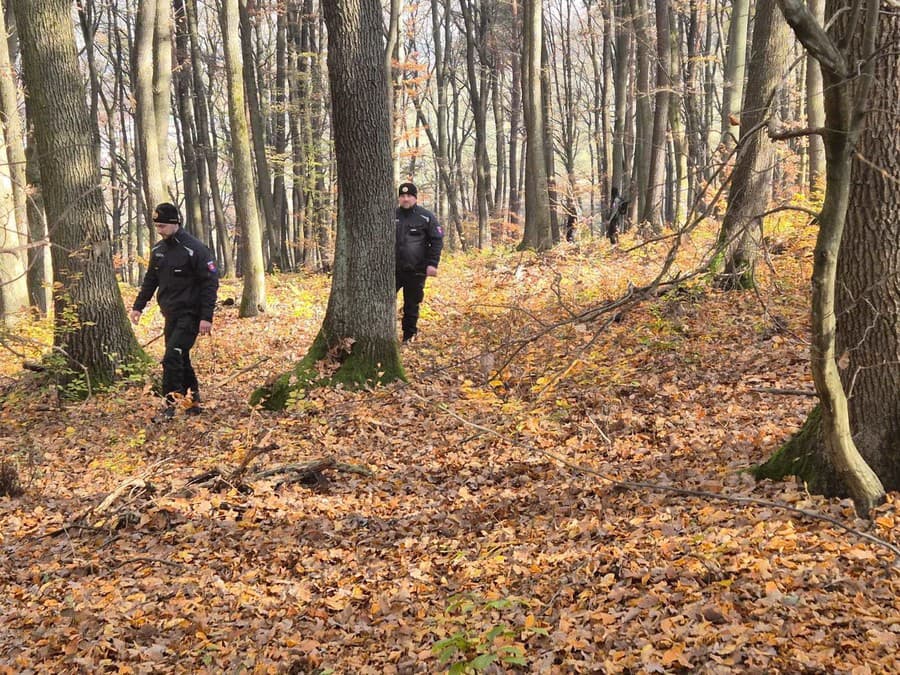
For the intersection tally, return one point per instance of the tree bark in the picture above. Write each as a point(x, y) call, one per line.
point(91, 327)
point(751, 180)
point(644, 117)
point(656, 169)
point(162, 82)
point(258, 135)
point(209, 180)
point(358, 332)
point(144, 65)
point(537, 234)
point(848, 78)
point(515, 114)
point(733, 86)
point(14, 294)
point(253, 295)
point(620, 174)
point(475, 34)
point(815, 109)
point(196, 208)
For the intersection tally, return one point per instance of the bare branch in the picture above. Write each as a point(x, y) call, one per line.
point(795, 133)
point(813, 36)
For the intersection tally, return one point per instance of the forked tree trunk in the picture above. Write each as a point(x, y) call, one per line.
point(843, 442)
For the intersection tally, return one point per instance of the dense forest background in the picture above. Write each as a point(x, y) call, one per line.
point(646, 98)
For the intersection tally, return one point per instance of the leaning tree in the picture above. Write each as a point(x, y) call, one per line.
point(849, 444)
point(357, 343)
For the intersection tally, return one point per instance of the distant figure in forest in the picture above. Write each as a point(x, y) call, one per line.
point(571, 220)
point(418, 246)
point(614, 215)
point(184, 271)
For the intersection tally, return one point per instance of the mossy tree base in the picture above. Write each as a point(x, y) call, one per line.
point(732, 273)
point(365, 362)
point(803, 456)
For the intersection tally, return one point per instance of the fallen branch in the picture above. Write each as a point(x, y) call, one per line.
point(306, 468)
point(784, 392)
point(131, 484)
point(156, 561)
point(242, 371)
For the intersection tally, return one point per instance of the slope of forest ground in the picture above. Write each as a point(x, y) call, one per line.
point(464, 518)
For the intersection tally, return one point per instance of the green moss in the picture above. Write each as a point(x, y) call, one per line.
point(76, 384)
point(367, 363)
point(802, 457)
point(716, 264)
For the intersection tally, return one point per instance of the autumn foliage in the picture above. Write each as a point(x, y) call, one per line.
point(483, 516)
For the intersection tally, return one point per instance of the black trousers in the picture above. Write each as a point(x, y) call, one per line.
point(178, 373)
point(413, 285)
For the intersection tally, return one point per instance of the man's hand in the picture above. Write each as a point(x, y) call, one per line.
point(205, 327)
point(135, 316)
point(431, 271)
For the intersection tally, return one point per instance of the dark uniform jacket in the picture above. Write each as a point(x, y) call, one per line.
point(184, 270)
point(420, 239)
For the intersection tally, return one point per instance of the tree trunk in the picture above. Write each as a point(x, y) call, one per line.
point(549, 156)
point(815, 109)
point(91, 327)
point(280, 140)
point(644, 119)
point(13, 277)
point(751, 180)
point(13, 205)
point(681, 182)
point(143, 62)
point(693, 101)
point(478, 93)
point(537, 234)
point(867, 430)
point(209, 180)
point(195, 208)
point(162, 82)
point(620, 172)
point(263, 182)
point(40, 265)
point(733, 85)
point(656, 169)
point(253, 295)
point(358, 331)
point(515, 114)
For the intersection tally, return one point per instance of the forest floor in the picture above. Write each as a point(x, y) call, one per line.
point(474, 517)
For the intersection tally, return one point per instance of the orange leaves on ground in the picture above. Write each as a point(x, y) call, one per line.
point(466, 534)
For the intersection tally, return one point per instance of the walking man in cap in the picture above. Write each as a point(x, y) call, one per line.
point(184, 271)
point(420, 239)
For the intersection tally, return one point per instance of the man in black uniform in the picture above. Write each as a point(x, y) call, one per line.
point(184, 271)
point(418, 247)
point(617, 210)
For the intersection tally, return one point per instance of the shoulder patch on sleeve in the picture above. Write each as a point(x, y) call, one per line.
point(211, 266)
